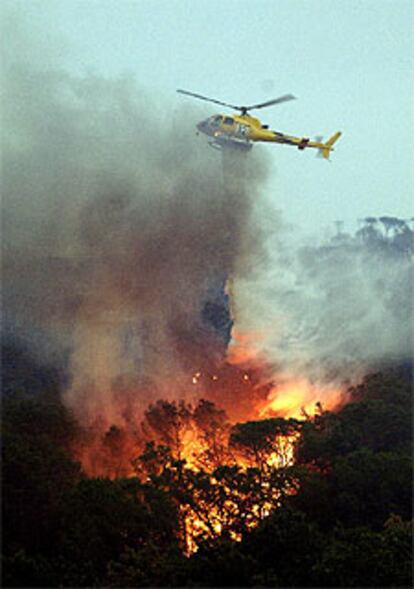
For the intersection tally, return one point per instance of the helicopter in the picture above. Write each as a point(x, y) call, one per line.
point(241, 131)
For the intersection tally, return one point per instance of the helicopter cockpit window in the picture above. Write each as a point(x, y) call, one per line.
point(228, 121)
point(215, 121)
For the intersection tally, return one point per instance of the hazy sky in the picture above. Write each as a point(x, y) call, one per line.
point(349, 63)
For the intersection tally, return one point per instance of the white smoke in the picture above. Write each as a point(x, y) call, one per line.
point(328, 313)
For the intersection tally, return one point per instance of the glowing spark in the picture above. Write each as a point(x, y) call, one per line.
point(195, 377)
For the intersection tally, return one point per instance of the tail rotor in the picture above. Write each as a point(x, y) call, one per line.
point(326, 147)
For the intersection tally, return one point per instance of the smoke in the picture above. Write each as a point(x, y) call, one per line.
point(328, 313)
point(118, 224)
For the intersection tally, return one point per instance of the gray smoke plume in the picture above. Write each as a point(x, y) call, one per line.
point(117, 223)
point(330, 313)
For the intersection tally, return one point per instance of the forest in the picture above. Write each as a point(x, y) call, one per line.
point(337, 515)
point(323, 500)
point(203, 384)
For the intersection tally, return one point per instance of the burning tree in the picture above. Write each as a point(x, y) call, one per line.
point(224, 480)
point(168, 422)
point(267, 442)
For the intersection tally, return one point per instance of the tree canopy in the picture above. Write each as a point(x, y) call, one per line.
point(339, 514)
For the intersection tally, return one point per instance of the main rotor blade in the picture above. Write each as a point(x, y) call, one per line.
point(201, 97)
point(279, 100)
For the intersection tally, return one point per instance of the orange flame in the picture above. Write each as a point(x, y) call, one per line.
point(246, 388)
point(298, 397)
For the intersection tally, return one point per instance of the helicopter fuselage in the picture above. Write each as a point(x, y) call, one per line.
point(241, 131)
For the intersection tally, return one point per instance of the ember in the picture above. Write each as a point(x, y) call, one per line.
point(231, 447)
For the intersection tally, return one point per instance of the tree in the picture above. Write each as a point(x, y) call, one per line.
point(360, 557)
point(98, 520)
point(260, 441)
point(37, 471)
point(392, 223)
point(368, 486)
point(116, 453)
point(378, 417)
point(167, 422)
point(213, 430)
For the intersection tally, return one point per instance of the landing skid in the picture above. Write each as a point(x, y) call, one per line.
point(221, 143)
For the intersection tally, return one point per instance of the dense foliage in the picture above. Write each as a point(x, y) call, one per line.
point(340, 516)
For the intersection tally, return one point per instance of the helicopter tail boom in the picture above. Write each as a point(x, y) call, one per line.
point(327, 146)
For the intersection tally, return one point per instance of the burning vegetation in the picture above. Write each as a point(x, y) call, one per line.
point(180, 401)
point(225, 477)
point(271, 501)
point(224, 456)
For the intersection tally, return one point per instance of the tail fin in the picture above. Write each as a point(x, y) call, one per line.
point(327, 146)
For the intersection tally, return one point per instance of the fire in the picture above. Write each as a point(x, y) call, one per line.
point(231, 488)
point(299, 397)
point(246, 504)
point(285, 456)
point(226, 452)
